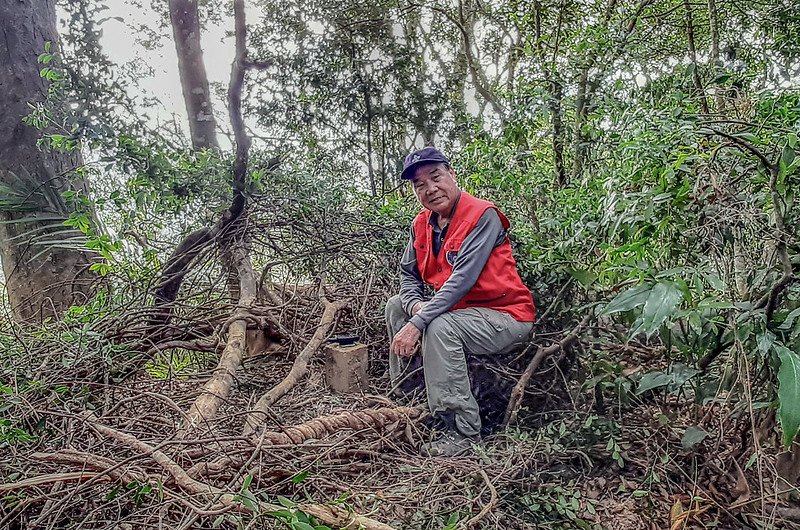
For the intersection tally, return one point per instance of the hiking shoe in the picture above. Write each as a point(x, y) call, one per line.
point(449, 443)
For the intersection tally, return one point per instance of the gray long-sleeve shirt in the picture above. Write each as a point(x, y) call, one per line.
point(472, 256)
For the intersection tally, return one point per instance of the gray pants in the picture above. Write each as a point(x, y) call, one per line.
point(446, 340)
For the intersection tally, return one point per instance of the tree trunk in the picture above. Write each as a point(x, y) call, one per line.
point(466, 24)
point(555, 100)
point(554, 104)
point(578, 138)
point(185, 22)
point(698, 84)
point(368, 117)
point(194, 82)
point(713, 27)
point(46, 267)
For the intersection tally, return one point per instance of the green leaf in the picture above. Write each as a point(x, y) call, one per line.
point(750, 137)
point(695, 322)
point(585, 277)
point(282, 514)
point(789, 320)
point(246, 484)
point(715, 281)
point(788, 393)
point(652, 380)
point(286, 502)
point(300, 477)
point(693, 436)
point(299, 525)
point(249, 501)
point(680, 373)
point(787, 156)
point(712, 303)
point(627, 300)
point(660, 304)
point(764, 341)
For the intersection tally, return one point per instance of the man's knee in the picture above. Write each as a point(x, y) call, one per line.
point(441, 330)
point(437, 326)
point(394, 308)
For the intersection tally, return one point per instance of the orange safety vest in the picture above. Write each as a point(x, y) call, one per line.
point(498, 286)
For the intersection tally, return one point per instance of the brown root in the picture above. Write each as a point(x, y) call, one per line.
point(216, 390)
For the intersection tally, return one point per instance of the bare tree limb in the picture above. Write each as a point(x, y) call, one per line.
point(298, 370)
point(541, 354)
point(42, 480)
point(330, 515)
point(218, 387)
point(493, 500)
point(478, 75)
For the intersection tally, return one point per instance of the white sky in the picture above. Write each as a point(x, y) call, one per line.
point(119, 42)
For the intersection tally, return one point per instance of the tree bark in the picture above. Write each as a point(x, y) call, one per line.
point(583, 99)
point(554, 104)
point(587, 86)
point(46, 268)
point(555, 87)
point(368, 115)
point(466, 24)
point(194, 81)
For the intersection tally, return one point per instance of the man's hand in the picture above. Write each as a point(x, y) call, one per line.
point(405, 341)
point(417, 308)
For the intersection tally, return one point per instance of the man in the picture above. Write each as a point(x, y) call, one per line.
point(459, 246)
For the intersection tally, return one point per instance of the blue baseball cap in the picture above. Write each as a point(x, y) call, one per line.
point(426, 155)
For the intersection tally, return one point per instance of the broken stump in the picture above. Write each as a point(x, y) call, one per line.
point(346, 367)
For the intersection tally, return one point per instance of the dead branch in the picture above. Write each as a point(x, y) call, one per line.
point(493, 500)
point(330, 515)
point(381, 419)
point(199, 345)
point(298, 370)
point(325, 426)
point(541, 354)
point(175, 269)
point(41, 480)
point(341, 518)
point(162, 459)
point(218, 387)
point(104, 465)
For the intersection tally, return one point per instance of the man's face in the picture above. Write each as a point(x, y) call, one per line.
point(436, 188)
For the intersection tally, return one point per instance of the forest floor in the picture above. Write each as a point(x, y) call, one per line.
point(569, 462)
point(628, 468)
